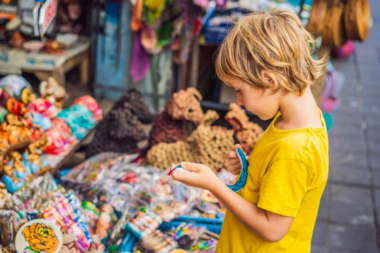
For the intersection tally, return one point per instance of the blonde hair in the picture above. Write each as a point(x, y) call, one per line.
point(274, 41)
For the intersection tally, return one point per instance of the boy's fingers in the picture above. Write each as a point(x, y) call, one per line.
point(236, 172)
point(178, 176)
point(232, 162)
point(193, 167)
point(232, 154)
point(237, 146)
point(236, 167)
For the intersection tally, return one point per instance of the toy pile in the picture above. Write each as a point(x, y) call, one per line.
point(31, 127)
point(146, 202)
point(114, 201)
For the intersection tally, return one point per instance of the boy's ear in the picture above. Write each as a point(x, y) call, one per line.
point(269, 78)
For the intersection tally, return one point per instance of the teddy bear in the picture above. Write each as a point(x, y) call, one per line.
point(207, 145)
point(183, 107)
point(247, 133)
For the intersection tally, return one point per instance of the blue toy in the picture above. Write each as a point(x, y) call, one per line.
point(42, 121)
point(11, 185)
point(244, 172)
point(79, 118)
point(34, 168)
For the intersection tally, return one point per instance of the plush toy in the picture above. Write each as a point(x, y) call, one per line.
point(53, 92)
point(247, 133)
point(206, 145)
point(43, 107)
point(10, 180)
point(183, 107)
point(92, 105)
point(120, 130)
point(79, 118)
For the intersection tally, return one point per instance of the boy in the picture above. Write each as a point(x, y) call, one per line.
point(267, 59)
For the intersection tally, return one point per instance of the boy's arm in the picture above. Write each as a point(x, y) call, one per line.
point(269, 226)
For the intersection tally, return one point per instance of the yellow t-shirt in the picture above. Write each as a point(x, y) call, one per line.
point(287, 174)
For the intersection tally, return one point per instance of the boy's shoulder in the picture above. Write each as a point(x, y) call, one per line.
point(294, 145)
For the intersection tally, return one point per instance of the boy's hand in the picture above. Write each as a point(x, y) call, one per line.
point(232, 161)
point(201, 176)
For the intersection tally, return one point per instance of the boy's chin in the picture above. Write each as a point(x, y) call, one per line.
point(264, 117)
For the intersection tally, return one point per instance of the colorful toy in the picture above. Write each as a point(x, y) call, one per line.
point(79, 118)
point(56, 144)
point(178, 169)
point(12, 183)
point(242, 181)
point(41, 121)
point(92, 105)
point(43, 107)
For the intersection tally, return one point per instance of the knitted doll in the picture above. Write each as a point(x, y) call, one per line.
point(120, 130)
point(207, 145)
point(183, 107)
point(247, 133)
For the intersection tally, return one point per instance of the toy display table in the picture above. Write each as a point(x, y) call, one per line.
point(43, 65)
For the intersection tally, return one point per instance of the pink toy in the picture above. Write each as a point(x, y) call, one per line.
point(92, 105)
point(43, 107)
point(56, 144)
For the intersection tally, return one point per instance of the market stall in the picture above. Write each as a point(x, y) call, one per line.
point(154, 59)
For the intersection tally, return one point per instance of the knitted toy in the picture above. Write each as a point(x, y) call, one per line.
point(170, 124)
point(206, 145)
point(121, 129)
point(248, 133)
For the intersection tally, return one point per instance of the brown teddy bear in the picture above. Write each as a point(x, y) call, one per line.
point(247, 133)
point(183, 107)
point(206, 145)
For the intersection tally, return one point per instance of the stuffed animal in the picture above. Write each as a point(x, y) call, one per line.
point(53, 92)
point(247, 133)
point(120, 130)
point(183, 107)
point(206, 145)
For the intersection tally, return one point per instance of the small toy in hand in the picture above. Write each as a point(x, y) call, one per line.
point(243, 176)
point(178, 169)
point(244, 172)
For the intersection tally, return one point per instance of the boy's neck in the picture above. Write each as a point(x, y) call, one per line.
point(298, 111)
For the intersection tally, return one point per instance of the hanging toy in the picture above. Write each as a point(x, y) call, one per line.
point(243, 176)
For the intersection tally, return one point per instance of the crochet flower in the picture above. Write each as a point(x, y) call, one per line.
point(41, 238)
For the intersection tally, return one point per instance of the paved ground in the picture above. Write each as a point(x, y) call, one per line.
point(349, 217)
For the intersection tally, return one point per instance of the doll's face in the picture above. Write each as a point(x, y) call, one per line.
point(8, 170)
point(74, 11)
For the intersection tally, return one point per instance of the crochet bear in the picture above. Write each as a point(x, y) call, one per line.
point(120, 130)
point(247, 133)
point(206, 145)
point(183, 107)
